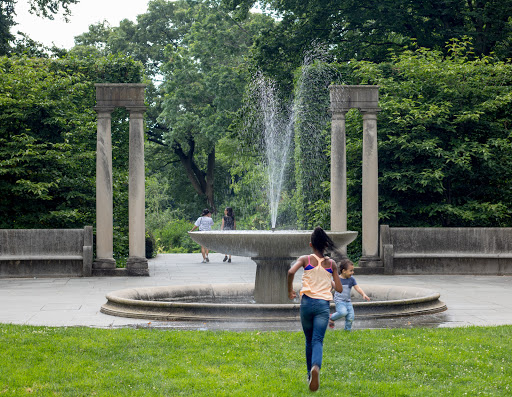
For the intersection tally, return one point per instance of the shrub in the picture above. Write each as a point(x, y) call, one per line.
point(173, 238)
point(150, 245)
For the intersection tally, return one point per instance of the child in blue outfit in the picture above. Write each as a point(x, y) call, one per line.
point(342, 299)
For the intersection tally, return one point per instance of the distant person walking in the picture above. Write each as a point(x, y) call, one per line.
point(319, 272)
point(342, 299)
point(228, 223)
point(204, 223)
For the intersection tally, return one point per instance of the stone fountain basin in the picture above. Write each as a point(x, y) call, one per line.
point(175, 303)
point(273, 252)
point(265, 243)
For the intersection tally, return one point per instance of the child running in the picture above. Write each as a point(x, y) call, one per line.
point(316, 295)
point(342, 300)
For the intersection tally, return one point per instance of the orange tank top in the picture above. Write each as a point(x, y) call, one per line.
point(316, 280)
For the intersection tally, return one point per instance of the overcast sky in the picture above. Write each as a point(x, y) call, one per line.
point(85, 13)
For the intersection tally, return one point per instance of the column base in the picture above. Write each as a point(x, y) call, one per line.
point(371, 261)
point(137, 266)
point(104, 263)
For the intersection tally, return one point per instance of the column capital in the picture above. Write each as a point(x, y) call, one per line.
point(338, 114)
point(370, 111)
point(134, 110)
point(102, 110)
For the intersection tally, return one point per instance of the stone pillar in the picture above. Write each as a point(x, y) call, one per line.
point(137, 263)
point(365, 98)
point(108, 97)
point(338, 173)
point(104, 205)
point(370, 255)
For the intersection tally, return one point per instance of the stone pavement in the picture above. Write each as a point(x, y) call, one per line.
point(471, 300)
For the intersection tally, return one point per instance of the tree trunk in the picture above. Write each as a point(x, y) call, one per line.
point(201, 181)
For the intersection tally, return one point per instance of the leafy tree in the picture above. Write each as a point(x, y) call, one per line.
point(201, 54)
point(43, 8)
point(445, 153)
point(48, 140)
point(165, 23)
point(366, 29)
point(6, 22)
point(204, 81)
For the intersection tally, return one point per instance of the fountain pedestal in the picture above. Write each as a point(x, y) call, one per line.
point(271, 283)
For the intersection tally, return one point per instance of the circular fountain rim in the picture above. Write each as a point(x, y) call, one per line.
point(131, 303)
point(265, 243)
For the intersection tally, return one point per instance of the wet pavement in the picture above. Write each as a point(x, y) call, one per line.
point(471, 300)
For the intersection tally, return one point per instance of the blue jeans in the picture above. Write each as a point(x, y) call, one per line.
point(344, 309)
point(314, 316)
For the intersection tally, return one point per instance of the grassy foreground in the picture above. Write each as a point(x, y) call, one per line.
point(44, 361)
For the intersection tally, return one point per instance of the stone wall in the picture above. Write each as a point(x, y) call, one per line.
point(479, 251)
point(46, 252)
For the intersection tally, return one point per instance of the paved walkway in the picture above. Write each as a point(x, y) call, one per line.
point(471, 300)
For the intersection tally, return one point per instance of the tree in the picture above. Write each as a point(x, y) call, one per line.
point(367, 30)
point(445, 153)
point(201, 54)
point(6, 22)
point(43, 8)
point(48, 141)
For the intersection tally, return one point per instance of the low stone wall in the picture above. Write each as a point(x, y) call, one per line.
point(464, 250)
point(46, 252)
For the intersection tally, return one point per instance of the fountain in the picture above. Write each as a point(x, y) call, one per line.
point(273, 252)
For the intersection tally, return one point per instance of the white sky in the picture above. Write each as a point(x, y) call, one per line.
point(83, 14)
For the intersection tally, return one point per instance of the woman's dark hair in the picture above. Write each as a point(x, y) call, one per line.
point(229, 211)
point(206, 211)
point(321, 241)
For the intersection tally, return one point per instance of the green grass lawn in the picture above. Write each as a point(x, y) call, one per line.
point(44, 361)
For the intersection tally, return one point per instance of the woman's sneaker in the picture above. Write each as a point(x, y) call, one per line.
point(314, 381)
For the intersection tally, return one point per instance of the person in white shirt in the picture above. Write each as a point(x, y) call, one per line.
point(204, 223)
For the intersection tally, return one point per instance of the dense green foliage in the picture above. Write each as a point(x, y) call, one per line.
point(366, 30)
point(445, 138)
point(444, 128)
point(48, 141)
point(390, 362)
point(43, 8)
point(203, 79)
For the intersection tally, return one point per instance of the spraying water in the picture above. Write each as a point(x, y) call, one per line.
point(306, 115)
point(277, 125)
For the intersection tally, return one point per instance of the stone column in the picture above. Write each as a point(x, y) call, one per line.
point(104, 205)
point(338, 173)
point(137, 263)
point(370, 255)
